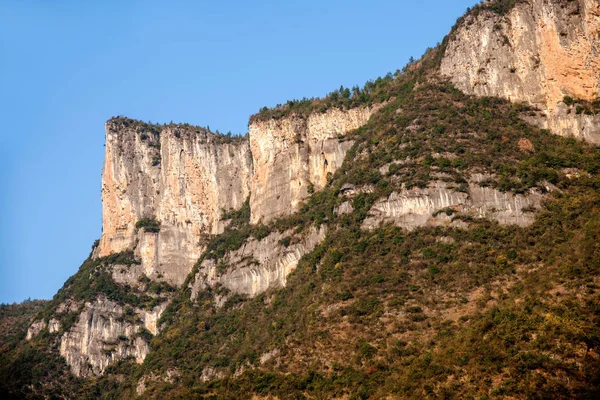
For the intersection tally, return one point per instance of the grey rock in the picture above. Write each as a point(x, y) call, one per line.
point(258, 265)
point(415, 208)
point(103, 334)
point(538, 53)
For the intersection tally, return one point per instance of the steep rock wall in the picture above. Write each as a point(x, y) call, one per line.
point(103, 335)
point(294, 155)
point(183, 177)
point(540, 52)
point(258, 265)
point(436, 204)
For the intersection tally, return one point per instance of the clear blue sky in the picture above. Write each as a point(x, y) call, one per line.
point(66, 66)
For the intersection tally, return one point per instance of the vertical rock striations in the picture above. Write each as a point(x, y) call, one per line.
point(184, 177)
point(105, 333)
point(538, 53)
point(179, 179)
point(294, 155)
point(181, 176)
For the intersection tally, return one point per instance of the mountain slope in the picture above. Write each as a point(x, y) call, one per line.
point(431, 244)
point(469, 308)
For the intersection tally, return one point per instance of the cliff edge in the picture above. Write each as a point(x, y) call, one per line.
point(543, 53)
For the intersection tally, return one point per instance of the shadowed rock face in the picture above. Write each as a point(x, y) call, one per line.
point(538, 53)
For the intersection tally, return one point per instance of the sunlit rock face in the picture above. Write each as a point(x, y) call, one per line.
point(438, 203)
point(258, 265)
point(294, 155)
point(538, 53)
point(183, 177)
point(35, 328)
point(105, 333)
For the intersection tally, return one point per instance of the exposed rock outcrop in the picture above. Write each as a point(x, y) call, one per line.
point(258, 265)
point(35, 328)
point(54, 325)
point(538, 53)
point(105, 332)
point(185, 177)
point(434, 206)
point(294, 155)
point(181, 176)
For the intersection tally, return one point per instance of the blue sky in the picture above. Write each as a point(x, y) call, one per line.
point(68, 66)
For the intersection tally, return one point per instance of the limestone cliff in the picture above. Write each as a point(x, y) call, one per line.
point(294, 155)
point(104, 333)
point(258, 265)
point(538, 53)
point(180, 179)
point(183, 177)
point(437, 204)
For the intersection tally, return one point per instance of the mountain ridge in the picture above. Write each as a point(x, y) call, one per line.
point(316, 270)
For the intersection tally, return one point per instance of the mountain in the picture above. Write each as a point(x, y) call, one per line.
point(435, 233)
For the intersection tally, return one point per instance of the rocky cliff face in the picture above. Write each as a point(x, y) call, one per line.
point(538, 53)
point(106, 332)
point(258, 265)
point(185, 177)
point(181, 176)
point(437, 204)
point(294, 155)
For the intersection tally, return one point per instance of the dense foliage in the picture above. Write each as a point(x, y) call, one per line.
point(501, 7)
point(150, 225)
point(583, 106)
point(372, 92)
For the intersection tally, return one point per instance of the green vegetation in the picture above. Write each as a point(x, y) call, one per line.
point(501, 7)
point(148, 224)
point(504, 311)
point(235, 235)
point(14, 321)
point(151, 133)
point(410, 311)
point(497, 308)
point(33, 369)
point(94, 278)
point(483, 311)
point(27, 362)
point(238, 217)
point(582, 106)
point(373, 92)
